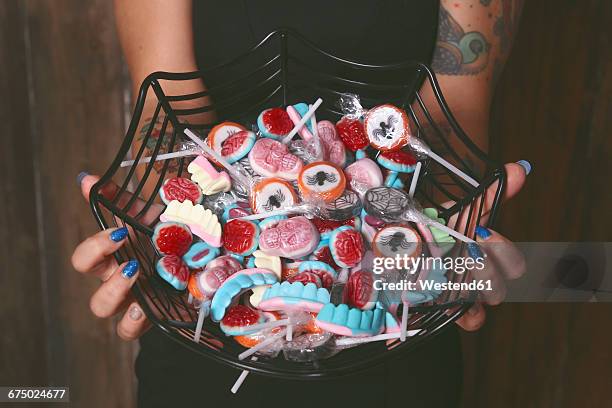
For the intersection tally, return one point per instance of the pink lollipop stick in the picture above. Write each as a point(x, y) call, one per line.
point(303, 121)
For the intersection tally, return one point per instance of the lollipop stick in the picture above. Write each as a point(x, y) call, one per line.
point(289, 333)
point(241, 378)
point(218, 158)
point(349, 341)
point(165, 156)
point(262, 345)
point(448, 230)
point(263, 326)
point(285, 211)
point(415, 179)
point(304, 119)
point(404, 325)
point(452, 168)
point(198, 331)
point(190, 299)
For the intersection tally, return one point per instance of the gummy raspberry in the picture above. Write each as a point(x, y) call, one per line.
point(352, 133)
point(172, 238)
point(240, 316)
point(277, 121)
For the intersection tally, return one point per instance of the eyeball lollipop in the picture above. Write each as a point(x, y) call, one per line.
point(387, 127)
point(322, 180)
point(272, 194)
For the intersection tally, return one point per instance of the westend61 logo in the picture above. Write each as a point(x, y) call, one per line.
point(413, 264)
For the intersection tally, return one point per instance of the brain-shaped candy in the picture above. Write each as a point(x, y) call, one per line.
point(346, 245)
point(274, 122)
point(240, 237)
point(173, 270)
point(271, 158)
point(352, 133)
point(359, 290)
point(180, 189)
point(291, 238)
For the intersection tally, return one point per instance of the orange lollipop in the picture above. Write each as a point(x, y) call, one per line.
point(272, 194)
point(322, 180)
point(387, 127)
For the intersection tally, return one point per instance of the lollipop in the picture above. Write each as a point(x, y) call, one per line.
point(390, 205)
point(231, 140)
point(322, 180)
point(291, 238)
point(387, 127)
point(296, 112)
point(396, 239)
point(346, 246)
point(271, 158)
point(272, 194)
point(348, 205)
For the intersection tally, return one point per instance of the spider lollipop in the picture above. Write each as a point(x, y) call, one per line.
point(391, 205)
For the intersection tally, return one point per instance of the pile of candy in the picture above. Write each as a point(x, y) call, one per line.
point(274, 238)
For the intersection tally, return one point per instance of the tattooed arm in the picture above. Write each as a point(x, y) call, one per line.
point(474, 40)
point(157, 35)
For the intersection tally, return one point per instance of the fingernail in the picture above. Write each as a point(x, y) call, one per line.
point(474, 250)
point(81, 176)
point(135, 313)
point(483, 233)
point(119, 235)
point(526, 165)
point(130, 269)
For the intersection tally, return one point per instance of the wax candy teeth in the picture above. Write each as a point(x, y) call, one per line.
point(294, 297)
point(272, 194)
point(387, 127)
point(396, 239)
point(326, 273)
point(172, 238)
point(173, 270)
point(291, 238)
point(240, 237)
point(180, 189)
point(359, 291)
point(346, 245)
point(263, 261)
point(345, 321)
point(274, 123)
point(271, 158)
point(322, 180)
point(238, 318)
point(208, 178)
point(352, 134)
point(235, 285)
point(202, 222)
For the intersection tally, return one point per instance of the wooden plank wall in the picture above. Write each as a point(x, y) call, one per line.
point(63, 111)
point(63, 86)
point(553, 107)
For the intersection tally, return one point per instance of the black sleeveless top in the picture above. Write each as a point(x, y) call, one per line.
point(367, 31)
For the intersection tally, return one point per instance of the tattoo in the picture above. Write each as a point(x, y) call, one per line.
point(485, 2)
point(504, 29)
point(458, 52)
point(151, 142)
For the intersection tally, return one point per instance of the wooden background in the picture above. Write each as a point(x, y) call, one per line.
point(63, 88)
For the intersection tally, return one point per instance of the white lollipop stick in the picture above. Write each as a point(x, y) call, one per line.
point(190, 299)
point(349, 341)
point(452, 168)
point(302, 121)
point(218, 158)
point(404, 325)
point(415, 179)
point(165, 156)
point(263, 326)
point(262, 345)
point(198, 331)
point(241, 378)
point(289, 333)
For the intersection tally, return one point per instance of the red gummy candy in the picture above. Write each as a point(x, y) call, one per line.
point(181, 189)
point(306, 277)
point(348, 248)
point(323, 254)
point(175, 266)
point(400, 156)
point(358, 289)
point(277, 121)
point(172, 238)
point(239, 236)
point(324, 226)
point(240, 316)
point(352, 133)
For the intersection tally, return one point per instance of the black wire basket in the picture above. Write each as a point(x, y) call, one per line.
point(278, 74)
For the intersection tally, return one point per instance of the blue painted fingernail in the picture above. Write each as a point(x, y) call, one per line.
point(474, 251)
point(483, 233)
point(119, 235)
point(81, 176)
point(526, 165)
point(130, 269)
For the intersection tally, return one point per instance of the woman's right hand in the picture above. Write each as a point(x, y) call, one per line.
point(94, 257)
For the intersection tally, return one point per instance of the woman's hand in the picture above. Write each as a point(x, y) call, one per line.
point(503, 259)
point(93, 257)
